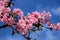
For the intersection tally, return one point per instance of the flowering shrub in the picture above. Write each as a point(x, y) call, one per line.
point(24, 24)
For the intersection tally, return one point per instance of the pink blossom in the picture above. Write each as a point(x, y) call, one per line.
point(57, 26)
point(16, 11)
point(5, 0)
point(7, 10)
point(43, 14)
point(18, 28)
point(31, 21)
point(25, 31)
point(31, 18)
point(21, 23)
point(0, 12)
point(49, 14)
point(42, 21)
point(23, 27)
point(34, 19)
point(10, 21)
point(46, 15)
point(36, 14)
point(1, 3)
point(4, 18)
point(29, 15)
point(48, 22)
point(52, 25)
point(19, 12)
point(2, 8)
point(28, 26)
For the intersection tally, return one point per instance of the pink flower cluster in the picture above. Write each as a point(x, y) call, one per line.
point(25, 23)
point(18, 12)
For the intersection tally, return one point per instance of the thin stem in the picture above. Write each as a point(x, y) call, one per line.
point(14, 29)
point(4, 26)
point(47, 27)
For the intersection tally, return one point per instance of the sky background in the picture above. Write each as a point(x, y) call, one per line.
point(40, 5)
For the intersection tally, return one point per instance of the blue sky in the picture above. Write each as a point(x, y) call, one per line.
point(29, 6)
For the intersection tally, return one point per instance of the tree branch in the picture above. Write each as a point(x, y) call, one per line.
point(4, 26)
